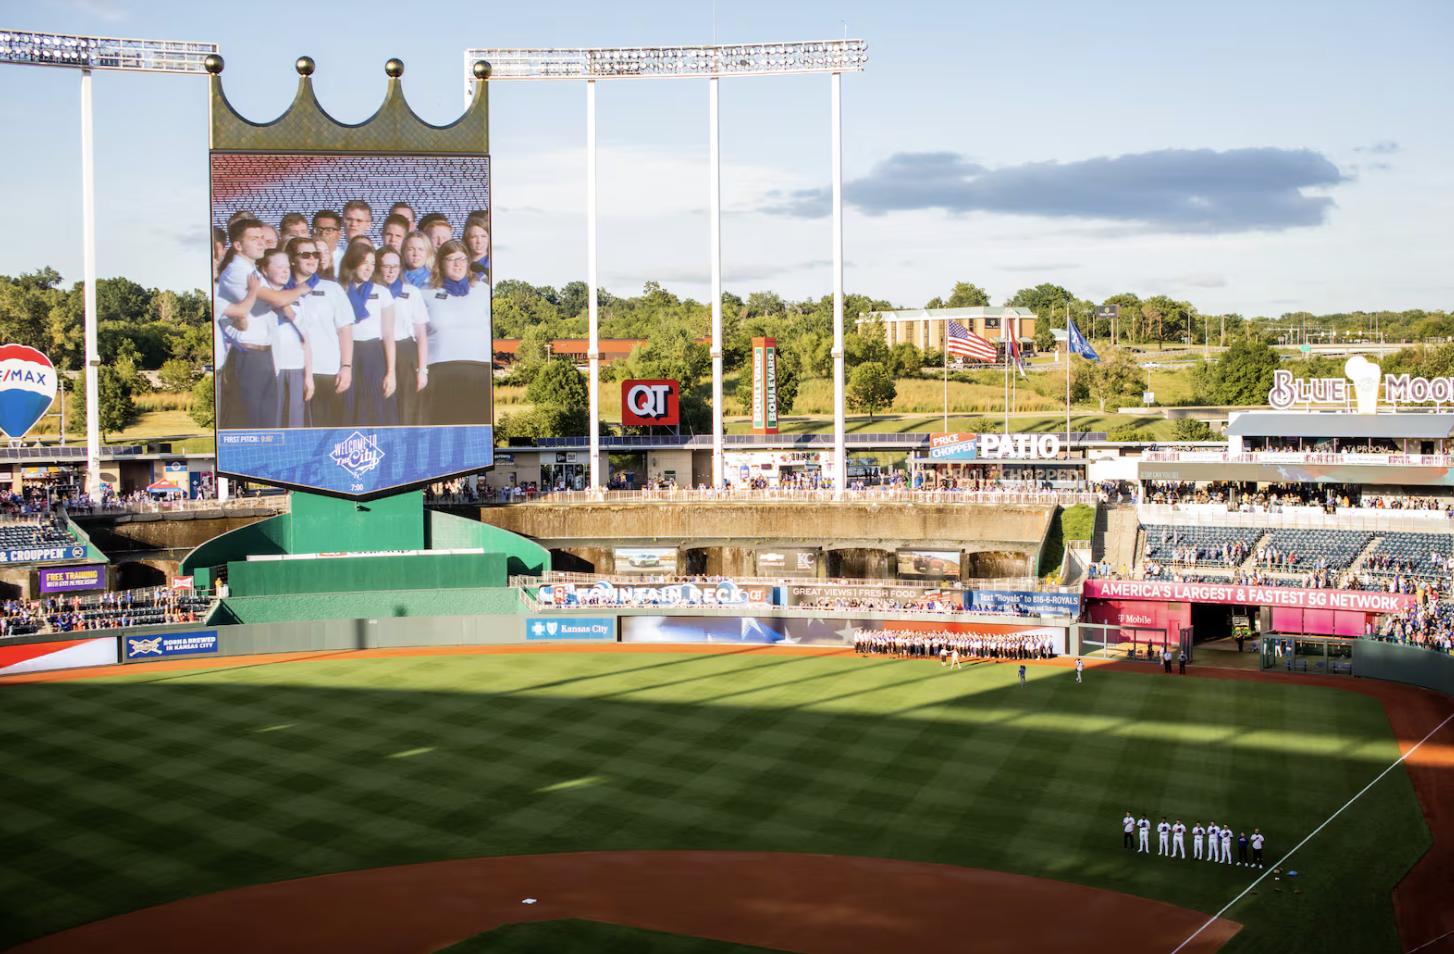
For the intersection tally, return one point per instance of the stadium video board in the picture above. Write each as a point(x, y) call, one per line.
point(352, 318)
point(928, 564)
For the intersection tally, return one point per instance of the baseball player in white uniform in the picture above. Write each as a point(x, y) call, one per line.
point(1178, 839)
point(1257, 840)
point(1163, 837)
point(1197, 834)
point(1227, 846)
point(1079, 668)
point(1214, 834)
point(1128, 830)
point(1143, 831)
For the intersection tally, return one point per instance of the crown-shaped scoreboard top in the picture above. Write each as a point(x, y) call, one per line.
point(306, 127)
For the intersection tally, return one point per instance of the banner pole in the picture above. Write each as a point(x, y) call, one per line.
point(944, 341)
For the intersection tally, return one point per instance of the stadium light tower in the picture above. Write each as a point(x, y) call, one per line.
point(88, 53)
point(834, 57)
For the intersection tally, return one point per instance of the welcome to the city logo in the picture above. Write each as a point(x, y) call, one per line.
point(27, 387)
point(358, 454)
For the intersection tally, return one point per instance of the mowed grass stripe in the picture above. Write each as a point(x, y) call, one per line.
point(131, 792)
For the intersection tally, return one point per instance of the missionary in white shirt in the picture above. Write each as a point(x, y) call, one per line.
point(373, 338)
point(411, 337)
point(460, 347)
point(326, 318)
point(327, 227)
point(246, 394)
point(292, 362)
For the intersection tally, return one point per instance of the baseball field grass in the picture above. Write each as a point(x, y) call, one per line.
point(129, 791)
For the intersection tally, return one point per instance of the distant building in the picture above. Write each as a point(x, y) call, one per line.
point(924, 327)
point(612, 349)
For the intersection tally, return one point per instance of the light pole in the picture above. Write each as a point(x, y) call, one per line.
point(834, 57)
point(89, 53)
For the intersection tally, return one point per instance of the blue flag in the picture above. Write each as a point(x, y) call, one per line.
point(1076, 342)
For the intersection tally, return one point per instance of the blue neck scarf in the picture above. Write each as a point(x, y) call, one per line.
point(397, 288)
point(458, 289)
point(358, 297)
point(418, 277)
point(312, 282)
point(481, 267)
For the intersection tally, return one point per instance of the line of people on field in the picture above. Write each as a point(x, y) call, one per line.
point(944, 644)
point(312, 331)
point(1171, 841)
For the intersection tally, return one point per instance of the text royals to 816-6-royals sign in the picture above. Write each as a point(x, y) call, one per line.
point(27, 388)
point(352, 302)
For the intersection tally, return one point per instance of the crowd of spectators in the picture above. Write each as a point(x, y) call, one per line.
point(1429, 625)
point(111, 610)
point(904, 644)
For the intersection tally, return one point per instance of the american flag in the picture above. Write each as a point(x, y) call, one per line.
point(967, 344)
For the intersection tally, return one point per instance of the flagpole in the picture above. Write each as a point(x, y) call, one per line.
point(1004, 339)
point(945, 342)
point(1067, 380)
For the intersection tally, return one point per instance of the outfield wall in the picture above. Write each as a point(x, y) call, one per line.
point(1408, 664)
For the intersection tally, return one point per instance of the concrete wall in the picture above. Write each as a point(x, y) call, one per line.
point(884, 526)
point(164, 531)
point(1409, 664)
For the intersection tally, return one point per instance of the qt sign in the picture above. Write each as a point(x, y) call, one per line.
point(646, 403)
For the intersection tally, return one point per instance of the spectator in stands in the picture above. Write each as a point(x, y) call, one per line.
point(327, 226)
point(373, 379)
point(406, 212)
point(326, 319)
point(411, 336)
point(358, 222)
point(291, 226)
point(460, 347)
point(418, 259)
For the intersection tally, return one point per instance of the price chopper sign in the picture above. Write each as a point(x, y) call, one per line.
point(1360, 386)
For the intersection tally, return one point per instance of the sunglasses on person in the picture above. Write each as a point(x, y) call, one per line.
point(305, 254)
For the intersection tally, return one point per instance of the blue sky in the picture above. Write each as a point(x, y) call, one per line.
point(1250, 157)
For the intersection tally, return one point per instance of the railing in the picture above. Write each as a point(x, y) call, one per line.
point(277, 503)
point(1020, 584)
point(858, 439)
point(67, 452)
point(995, 498)
point(1381, 459)
point(1298, 518)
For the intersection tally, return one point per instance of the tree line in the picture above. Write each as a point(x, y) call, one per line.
point(169, 333)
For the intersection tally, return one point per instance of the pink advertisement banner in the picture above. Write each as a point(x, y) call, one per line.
point(1286, 596)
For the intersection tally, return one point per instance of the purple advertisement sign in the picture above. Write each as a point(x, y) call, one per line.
point(66, 579)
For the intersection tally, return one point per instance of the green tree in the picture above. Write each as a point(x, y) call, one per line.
point(1190, 429)
point(1113, 379)
point(965, 295)
point(865, 344)
point(117, 411)
point(905, 360)
point(177, 375)
point(871, 388)
point(559, 385)
point(203, 401)
point(1241, 375)
point(1130, 433)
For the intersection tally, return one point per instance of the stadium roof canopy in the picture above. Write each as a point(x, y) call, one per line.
point(1343, 425)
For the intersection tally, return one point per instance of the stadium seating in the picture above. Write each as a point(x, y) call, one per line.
point(27, 536)
point(1336, 548)
point(1412, 554)
point(1168, 544)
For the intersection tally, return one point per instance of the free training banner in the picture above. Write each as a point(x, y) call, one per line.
point(601, 628)
point(162, 645)
point(42, 554)
point(65, 579)
point(1023, 602)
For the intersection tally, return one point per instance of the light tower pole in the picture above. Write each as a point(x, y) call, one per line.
point(835, 57)
point(88, 53)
